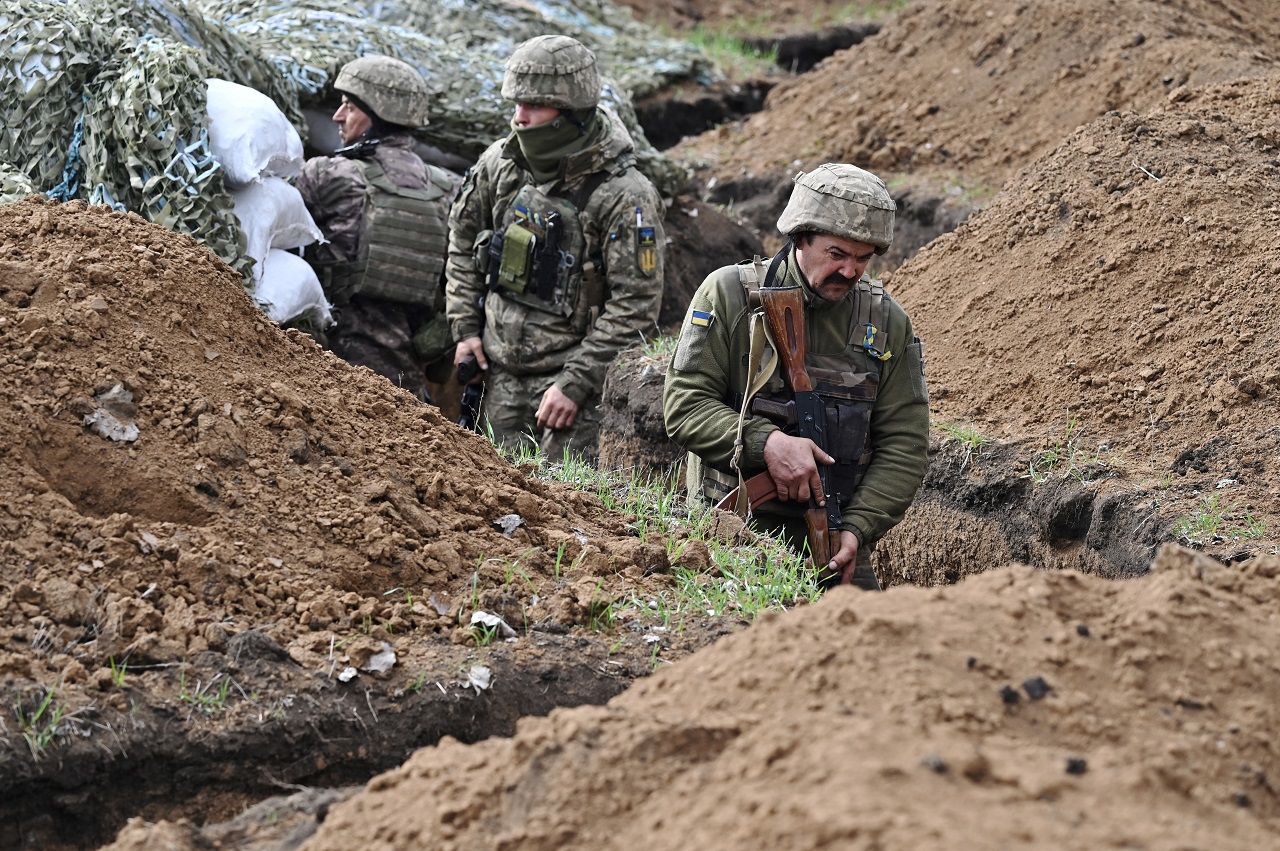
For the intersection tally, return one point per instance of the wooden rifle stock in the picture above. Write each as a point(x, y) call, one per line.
point(784, 311)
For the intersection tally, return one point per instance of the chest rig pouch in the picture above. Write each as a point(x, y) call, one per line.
point(542, 255)
point(846, 381)
point(404, 239)
point(534, 254)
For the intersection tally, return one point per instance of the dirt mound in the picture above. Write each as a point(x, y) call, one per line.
point(1084, 713)
point(206, 520)
point(1123, 283)
point(951, 87)
point(268, 479)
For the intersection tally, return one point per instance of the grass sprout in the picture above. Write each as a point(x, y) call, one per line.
point(210, 697)
point(967, 436)
point(42, 726)
point(743, 578)
point(1211, 521)
point(1069, 458)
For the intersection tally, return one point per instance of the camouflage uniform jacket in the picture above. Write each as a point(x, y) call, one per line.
point(334, 190)
point(708, 375)
point(527, 341)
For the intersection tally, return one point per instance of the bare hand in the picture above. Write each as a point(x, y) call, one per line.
point(793, 464)
point(557, 410)
point(845, 561)
point(471, 347)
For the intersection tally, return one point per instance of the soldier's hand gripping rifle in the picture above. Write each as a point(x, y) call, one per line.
point(784, 311)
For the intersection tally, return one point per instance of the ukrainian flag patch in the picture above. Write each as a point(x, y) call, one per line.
point(702, 318)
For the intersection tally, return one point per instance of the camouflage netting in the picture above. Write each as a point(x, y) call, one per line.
point(105, 101)
point(309, 41)
point(154, 94)
point(14, 185)
point(627, 51)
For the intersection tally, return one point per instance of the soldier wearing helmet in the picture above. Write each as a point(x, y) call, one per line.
point(384, 213)
point(556, 252)
point(729, 410)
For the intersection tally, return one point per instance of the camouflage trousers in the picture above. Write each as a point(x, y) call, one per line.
point(510, 410)
point(378, 334)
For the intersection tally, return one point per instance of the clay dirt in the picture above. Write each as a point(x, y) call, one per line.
point(240, 575)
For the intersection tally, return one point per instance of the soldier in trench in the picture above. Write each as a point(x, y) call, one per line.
point(863, 357)
point(384, 214)
point(556, 253)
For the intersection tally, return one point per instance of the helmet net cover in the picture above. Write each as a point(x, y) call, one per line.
point(552, 70)
point(842, 200)
point(392, 88)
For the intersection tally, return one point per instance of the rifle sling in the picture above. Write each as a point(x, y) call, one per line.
point(760, 489)
point(760, 335)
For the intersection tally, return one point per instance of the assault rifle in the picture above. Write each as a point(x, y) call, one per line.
point(784, 311)
point(360, 150)
point(468, 369)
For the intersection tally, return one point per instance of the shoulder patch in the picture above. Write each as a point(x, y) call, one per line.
point(646, 245)
point(702, 318)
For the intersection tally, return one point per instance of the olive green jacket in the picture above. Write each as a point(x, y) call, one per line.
point(527, 341)
point(708, 376)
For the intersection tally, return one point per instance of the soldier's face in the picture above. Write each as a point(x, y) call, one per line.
point(833, 264)
point(533, 115)
point(352, 121)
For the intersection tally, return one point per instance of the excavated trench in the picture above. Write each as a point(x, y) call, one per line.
point(141, 760)
point(977, 509)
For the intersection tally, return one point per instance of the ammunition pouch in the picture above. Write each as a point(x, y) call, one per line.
point(526, 260)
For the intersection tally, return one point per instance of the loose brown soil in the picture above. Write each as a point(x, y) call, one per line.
point(192, 598)
point(1023, 708)
point(278, 518)
point(975, 91)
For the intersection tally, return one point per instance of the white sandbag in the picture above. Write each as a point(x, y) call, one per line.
point(249, 135)
point(272, 214)
point(290, 290)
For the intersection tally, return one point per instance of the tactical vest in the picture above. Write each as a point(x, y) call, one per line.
point(848, 395)
point(542, 256)
point(404, 239)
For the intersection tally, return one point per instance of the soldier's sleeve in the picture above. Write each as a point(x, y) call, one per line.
point(470, 219)
point(633, 244)
point(334, 191)
point(713, 336)
point(899, 439)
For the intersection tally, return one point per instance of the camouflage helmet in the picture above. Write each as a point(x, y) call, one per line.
point(842, 200)
point(393, 89)
point(552, 70)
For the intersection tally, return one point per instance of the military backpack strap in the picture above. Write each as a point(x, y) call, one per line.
point(749, 274)
point(759, 370)
point(595, 276)
point(873, 319)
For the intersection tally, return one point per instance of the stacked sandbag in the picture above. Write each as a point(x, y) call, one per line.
point(290, 291)
point(259, 150)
